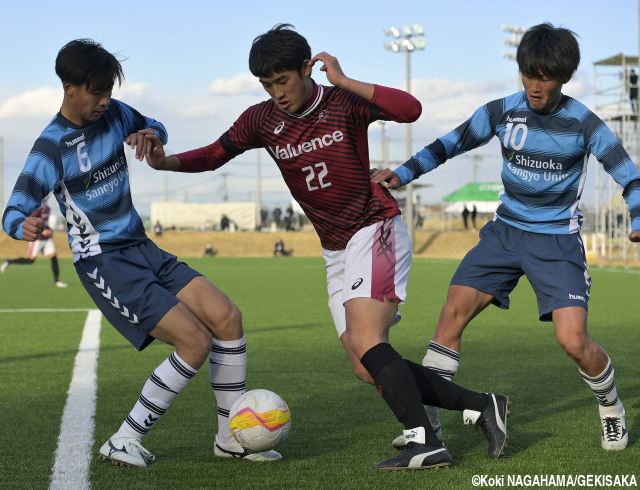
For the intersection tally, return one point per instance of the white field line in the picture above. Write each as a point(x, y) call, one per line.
point(73, 456)
point(42, 310)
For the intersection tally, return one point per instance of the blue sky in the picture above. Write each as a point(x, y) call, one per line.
point(186, 65)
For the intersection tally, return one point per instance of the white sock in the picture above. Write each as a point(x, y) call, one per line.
point(161, 388)
point(227, 372)
point(442, 360)
point(604, 388)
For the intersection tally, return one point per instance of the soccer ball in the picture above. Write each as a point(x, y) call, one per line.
point(259, 420)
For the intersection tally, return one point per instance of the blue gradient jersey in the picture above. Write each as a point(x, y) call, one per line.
point(86, 169)
point(544, 161)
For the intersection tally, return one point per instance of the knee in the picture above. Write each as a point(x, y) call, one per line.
point(362, 374)
point(574, 346)
point(196, 348)
point(449, 313)
point(228, 326)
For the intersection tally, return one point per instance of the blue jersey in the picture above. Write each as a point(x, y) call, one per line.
point(544, 160)
point(86, 169)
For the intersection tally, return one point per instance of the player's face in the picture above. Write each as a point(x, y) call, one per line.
point(82, 106)
point(289, 90)
point(543, 93)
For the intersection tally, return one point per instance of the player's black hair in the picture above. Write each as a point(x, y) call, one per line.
point(277, 50)
point(86, 62)
point(550, 51)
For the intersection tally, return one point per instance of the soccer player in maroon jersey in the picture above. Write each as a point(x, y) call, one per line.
point(44, 245)
point(317, 136)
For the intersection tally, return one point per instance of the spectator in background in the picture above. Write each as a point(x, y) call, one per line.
point(280, 250)
point(474, 213)
point(277, 214)
point(288, 218)
point(264, 216)
point(209, 251)
point(633, 90)
point(157, 228)
point(225, 222)
point(465, 217)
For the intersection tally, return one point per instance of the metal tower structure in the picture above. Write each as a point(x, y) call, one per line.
point(609, 225)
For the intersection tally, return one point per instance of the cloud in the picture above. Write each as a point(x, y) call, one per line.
point(243, 83)
point(444, 88)
point(132, 91)
point(41, 102)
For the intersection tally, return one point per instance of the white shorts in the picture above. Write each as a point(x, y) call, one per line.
point(375, 264)
point(46, 247)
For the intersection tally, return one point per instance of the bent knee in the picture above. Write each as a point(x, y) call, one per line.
point(362, 374)
point(574, 347)
point(228, 325)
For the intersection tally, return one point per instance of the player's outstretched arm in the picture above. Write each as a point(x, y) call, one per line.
point(634, 236)
point(154, 153)
point(386, 177)
point(32, 228)
point(336, 76)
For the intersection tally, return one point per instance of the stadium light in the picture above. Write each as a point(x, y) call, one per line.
point(516, 35)
point(407, 40)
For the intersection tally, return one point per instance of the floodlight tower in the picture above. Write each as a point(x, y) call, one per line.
point(408, 39)
point(516, 35)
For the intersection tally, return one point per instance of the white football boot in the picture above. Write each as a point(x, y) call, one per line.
point(122, 451)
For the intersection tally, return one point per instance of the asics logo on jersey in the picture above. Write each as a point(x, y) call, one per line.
point(279, 128)
point(357, 284)
point(306, 147)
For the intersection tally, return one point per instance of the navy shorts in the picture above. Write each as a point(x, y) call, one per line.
point(555, 265)
point(135, 287)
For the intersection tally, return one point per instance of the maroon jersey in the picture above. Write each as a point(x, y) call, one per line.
point(322, 153)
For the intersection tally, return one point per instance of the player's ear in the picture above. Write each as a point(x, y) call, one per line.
point(306, 68)
point(68, 88)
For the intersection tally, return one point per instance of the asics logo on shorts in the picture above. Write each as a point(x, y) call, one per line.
point(357, 284)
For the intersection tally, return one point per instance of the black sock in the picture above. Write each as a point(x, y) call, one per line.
point(55, 268)
point(398, 388)
point(21, 260)
point(439, 392)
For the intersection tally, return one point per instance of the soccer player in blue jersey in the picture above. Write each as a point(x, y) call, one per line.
point(546, 138)
point(317, 136)
point(143, 291)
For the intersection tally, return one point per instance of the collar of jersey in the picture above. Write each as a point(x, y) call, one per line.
point(313, 105)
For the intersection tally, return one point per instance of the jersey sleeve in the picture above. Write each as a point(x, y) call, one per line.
point(133, 121)
point(206, 158)
point(236, 140)
point(36, 181)
point(473, 133)
point(396, 105)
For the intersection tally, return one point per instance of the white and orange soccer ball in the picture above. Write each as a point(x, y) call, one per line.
point(260, 420)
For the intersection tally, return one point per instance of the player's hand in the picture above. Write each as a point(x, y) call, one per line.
point(634, 236)
point(386, 177)
point(331, 67)
point(154, 152)
point(32, 228)
point(138, 142)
